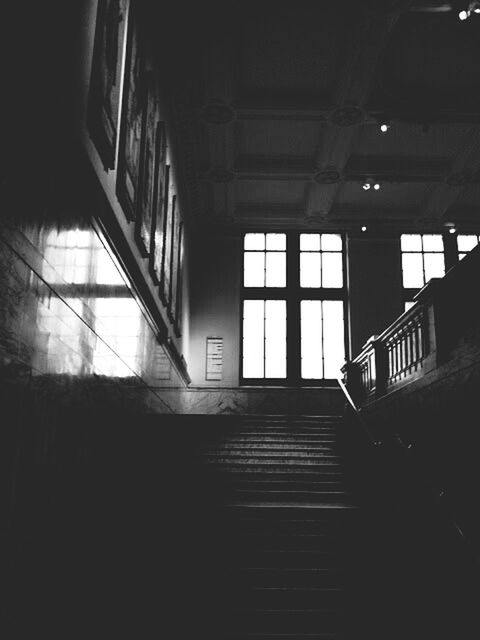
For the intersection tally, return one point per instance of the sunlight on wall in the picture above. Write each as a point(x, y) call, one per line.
point(96, 326)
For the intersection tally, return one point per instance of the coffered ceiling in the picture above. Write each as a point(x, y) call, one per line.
point(278, 107)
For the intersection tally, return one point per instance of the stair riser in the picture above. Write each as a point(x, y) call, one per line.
point(276, 463)
point(285, 621)
point(291, 559)
point(294, 599)
point(268, 475)
point(270, 446)
point(282, 485)
point(290, 541)
point(290, 496)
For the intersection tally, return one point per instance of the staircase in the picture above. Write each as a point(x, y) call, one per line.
point(287, 523)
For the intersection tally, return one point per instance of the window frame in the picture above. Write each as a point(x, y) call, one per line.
point(409, 293)
point(293, 294)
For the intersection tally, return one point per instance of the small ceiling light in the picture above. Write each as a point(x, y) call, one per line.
point(376, 186)
point(452, 230)
point(384, 127)
point(473, 7)
point(364, 229)
point(366, 186)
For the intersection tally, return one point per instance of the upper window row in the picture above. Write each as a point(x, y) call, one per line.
point(423, 256)
point(321, 260)
point(265, 260)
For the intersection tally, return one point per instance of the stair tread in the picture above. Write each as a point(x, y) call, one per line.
point(294, 505)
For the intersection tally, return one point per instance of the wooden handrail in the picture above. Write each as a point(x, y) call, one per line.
point(437, 495)
point(358, 415)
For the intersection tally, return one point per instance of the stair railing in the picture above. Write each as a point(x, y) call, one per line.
point(396, 449)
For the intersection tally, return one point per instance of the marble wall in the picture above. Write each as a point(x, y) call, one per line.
point(67, 308)
point(256, 400)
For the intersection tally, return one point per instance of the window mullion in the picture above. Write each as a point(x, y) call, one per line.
point(293, 308)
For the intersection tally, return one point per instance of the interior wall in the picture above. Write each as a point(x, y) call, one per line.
point(117, 223)
point(215, 306)
point(374, 286)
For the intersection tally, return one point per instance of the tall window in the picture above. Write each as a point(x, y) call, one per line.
point(465, 243)
point(422, 259)
point(293, 307)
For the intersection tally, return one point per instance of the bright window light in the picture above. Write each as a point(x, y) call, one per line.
point(264, 339)
point(264, 261)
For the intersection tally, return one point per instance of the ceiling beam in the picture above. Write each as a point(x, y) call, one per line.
point(353, 88)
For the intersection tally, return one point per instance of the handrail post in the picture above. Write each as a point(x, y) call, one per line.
point(381, 367)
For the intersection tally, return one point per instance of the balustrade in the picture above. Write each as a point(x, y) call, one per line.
point(440, 326)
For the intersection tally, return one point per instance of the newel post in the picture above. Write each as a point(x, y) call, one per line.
point(352, 380)
point(429, 297)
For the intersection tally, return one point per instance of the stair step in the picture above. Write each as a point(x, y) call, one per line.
point(294, 598)
point(290, 541)
point(310, 522)
point(263, 419)
point(289, 485)
point(270, 455)
point(293, 506)
point(287, 620)
point(279, 559)
point(268, 474)
point(280, 439)
point(276, 463)
point(282, 636)
point(280, 430)
point(332, 578)
point(291, 447)
point(291, 496)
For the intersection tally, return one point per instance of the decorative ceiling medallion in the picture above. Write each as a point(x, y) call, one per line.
point(327, 176)
point(220, 174)
point(218, 113)
point(459, 179)
point(347, 116)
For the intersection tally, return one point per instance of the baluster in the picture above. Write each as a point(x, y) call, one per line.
point(415, 344)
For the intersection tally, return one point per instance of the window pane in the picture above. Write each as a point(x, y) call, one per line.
point(254, 241)
point(276, 269)
point(331, 242)
point(411, 242)
point(309, 242)
point(276, 242)
point(333, 338)
point(434, 266)
point(311, 339)
point(310, 270)
point(253, 342)
point(275, 339)
point(461, 256)
point(466, 242)
point(412, 268)
point(332, 273)
point(409, 304)
point(432, 242)
point(254, 269)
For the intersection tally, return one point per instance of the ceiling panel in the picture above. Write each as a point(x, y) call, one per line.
point(391, 194)
point(282, 192)
point(288, 53)
point(431, 57)
point(413, 140)
point(298, 139)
